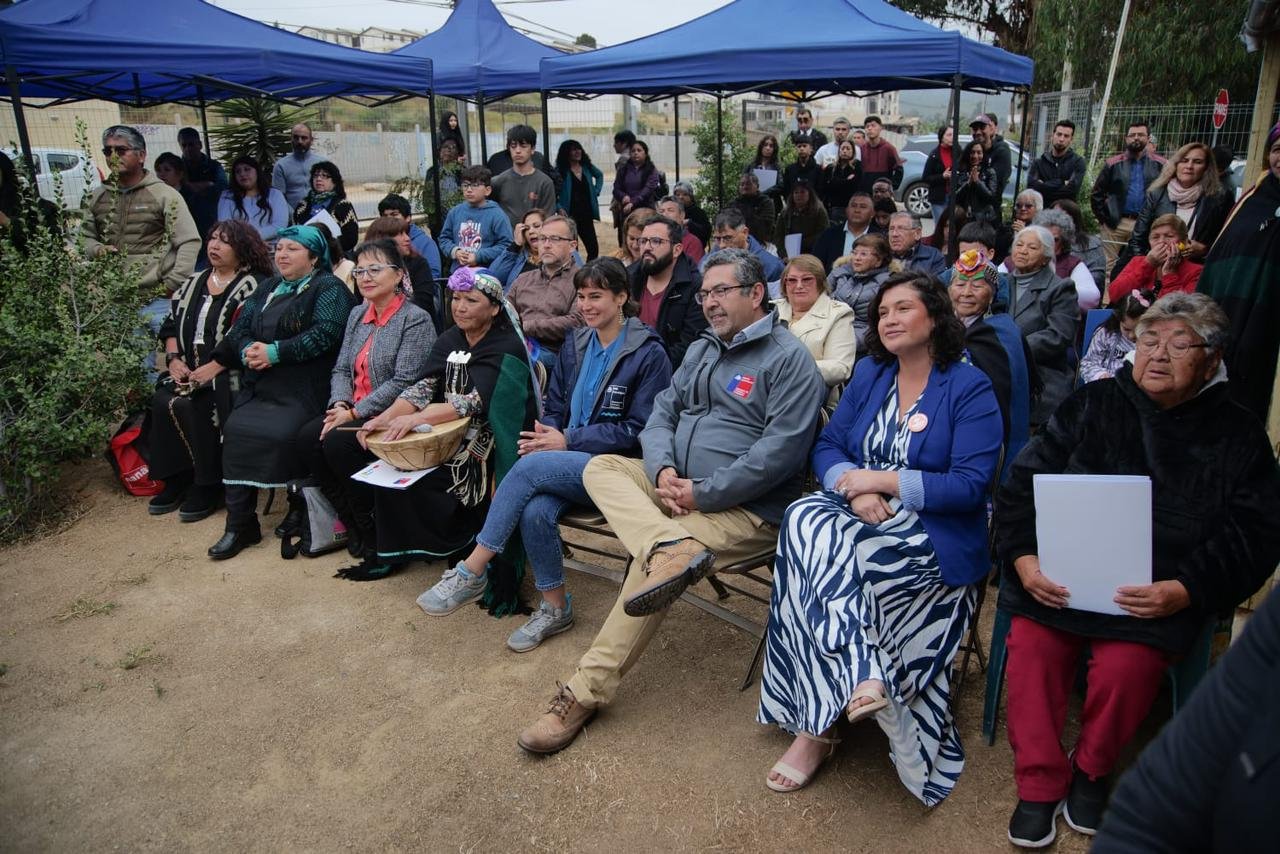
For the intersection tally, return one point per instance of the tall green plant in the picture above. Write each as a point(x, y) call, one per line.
point(71, 351)
point(257, 127)
point(737, 153)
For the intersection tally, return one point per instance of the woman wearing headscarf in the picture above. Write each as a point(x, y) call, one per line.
point(328, 193)
point(478, 369)
point(1240, 273)
point(193, 397)
point(284, 342)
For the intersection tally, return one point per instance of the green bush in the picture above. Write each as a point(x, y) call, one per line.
point(737, 153)
point(71, 356)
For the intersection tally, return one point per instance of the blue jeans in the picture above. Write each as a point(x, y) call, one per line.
point(153, 315)
point(937, 211)
point(534, 495)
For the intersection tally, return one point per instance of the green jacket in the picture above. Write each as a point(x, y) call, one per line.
point(133, 221)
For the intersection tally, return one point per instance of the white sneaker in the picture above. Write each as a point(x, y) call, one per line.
point(455, 588)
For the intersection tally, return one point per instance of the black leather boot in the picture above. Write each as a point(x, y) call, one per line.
point(235, 541)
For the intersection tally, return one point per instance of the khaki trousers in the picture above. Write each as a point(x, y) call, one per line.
point(1114, 239)
point(623, 493)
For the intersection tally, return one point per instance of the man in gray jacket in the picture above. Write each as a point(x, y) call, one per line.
point(724, 454)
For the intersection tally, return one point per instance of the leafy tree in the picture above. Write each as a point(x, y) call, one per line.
point(738, 151)
point(71, 351)
point(1008, 21)
point(257, 127)
point(1174, 52)
point(586, 40)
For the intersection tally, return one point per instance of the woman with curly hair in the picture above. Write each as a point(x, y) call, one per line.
point(253, 199)
point(328, 193)
point(193, 397)
point(876, 576)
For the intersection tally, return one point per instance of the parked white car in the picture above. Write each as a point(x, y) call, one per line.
point(75, 176)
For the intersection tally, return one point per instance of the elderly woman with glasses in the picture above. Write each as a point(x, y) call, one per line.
point(1215, 490)
point(823, 325)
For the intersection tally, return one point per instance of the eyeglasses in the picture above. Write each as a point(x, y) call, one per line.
point(373, 270)
point(1177, 348)
point(553, 238)
point(118, 150)
point(655, 242)
point(790, 281)
point(471, 185)
point(717, 293)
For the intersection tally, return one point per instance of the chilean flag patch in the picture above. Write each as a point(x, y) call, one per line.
point(741, 385)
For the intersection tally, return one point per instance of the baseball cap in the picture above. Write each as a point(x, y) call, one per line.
point(980, 119)
point(802, 181)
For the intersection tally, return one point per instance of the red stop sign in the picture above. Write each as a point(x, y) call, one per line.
point(1220, 105)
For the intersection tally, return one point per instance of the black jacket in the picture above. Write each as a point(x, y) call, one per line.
point(933, 169)
point(1208, 219)
point(680, 320)
point(811, 170)
point(1209, 780)
point(760, 214)
point(830, 244)
point(1000, 158)
point(1111, 187)
point(1215, 492)
point(1057, 177)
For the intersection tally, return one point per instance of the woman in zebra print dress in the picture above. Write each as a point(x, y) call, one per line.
point(874, 580)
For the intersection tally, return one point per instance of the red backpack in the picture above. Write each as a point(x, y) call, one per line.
point(127, 454)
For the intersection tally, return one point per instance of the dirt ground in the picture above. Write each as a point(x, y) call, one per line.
point(260, 704)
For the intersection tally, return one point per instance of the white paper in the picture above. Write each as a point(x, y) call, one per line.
point(326, 219)
point(792, 244)
point(767, 178)
point(1094, 535)
point(379, 473)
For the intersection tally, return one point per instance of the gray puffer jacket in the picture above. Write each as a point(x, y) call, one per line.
point(856, 290)
point(738, 420)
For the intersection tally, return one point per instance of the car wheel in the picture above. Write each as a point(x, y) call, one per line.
point(916, 198)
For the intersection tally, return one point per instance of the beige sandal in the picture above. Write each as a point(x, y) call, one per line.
point(799, 778)
point(863, 711)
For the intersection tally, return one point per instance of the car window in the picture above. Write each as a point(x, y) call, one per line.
point(63, 162)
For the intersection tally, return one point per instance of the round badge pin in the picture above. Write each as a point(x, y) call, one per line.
point(917, 422)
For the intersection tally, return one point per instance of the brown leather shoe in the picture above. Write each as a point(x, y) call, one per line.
point(670, 569)
point(559, 725)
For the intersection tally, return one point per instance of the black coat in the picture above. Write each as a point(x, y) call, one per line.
point(1215, 497)
point(1209, 780)
point(680, 320)
point(1057, 178)
point(1207, 221)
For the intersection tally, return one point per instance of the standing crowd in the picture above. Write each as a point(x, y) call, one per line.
point(689, 388)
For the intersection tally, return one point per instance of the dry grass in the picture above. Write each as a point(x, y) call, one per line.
point(84, 607)
point(135, 657)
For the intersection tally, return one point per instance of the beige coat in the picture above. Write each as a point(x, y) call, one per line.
point(137, 221)
point(826, 331)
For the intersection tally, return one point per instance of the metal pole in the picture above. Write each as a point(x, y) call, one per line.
point(1022, 141)
point(204, 121)
point(955, 137)
point(719, 151)
point(1111, 78)
point(20, 118)
point(435, 158)
point(676, 100)
point(546, 128)
point(484, 143)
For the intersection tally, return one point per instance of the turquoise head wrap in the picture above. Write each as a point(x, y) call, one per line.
point(311, 237)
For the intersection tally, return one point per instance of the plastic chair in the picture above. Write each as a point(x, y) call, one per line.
point(1184, 675)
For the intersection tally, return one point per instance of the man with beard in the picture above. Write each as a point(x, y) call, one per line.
point(723, 455)
point(292, 174)
point(663, 284)
point(986, 130)
point(1121, 189)
point(1059, 172)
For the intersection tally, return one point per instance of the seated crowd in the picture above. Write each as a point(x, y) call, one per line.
point(687, 387)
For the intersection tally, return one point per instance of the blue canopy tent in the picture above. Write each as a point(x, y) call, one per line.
point(479, 58)
point(856, 47)
point(185, 51)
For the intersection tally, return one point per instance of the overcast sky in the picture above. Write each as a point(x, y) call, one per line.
point(610, 21)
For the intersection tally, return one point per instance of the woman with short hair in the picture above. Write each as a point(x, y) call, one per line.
point(1166, 268)
point(421, 285)
point(1047, 310)
point(194, 396)
point(823, 325)
point(1214, 489)
point(329, 194)
point(855, 279)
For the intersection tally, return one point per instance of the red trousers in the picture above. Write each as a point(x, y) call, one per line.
point(1121, 684)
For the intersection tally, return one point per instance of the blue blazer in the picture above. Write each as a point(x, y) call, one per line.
point(955, 453)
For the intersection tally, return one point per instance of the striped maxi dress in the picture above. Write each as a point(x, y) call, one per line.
point(852, 602)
